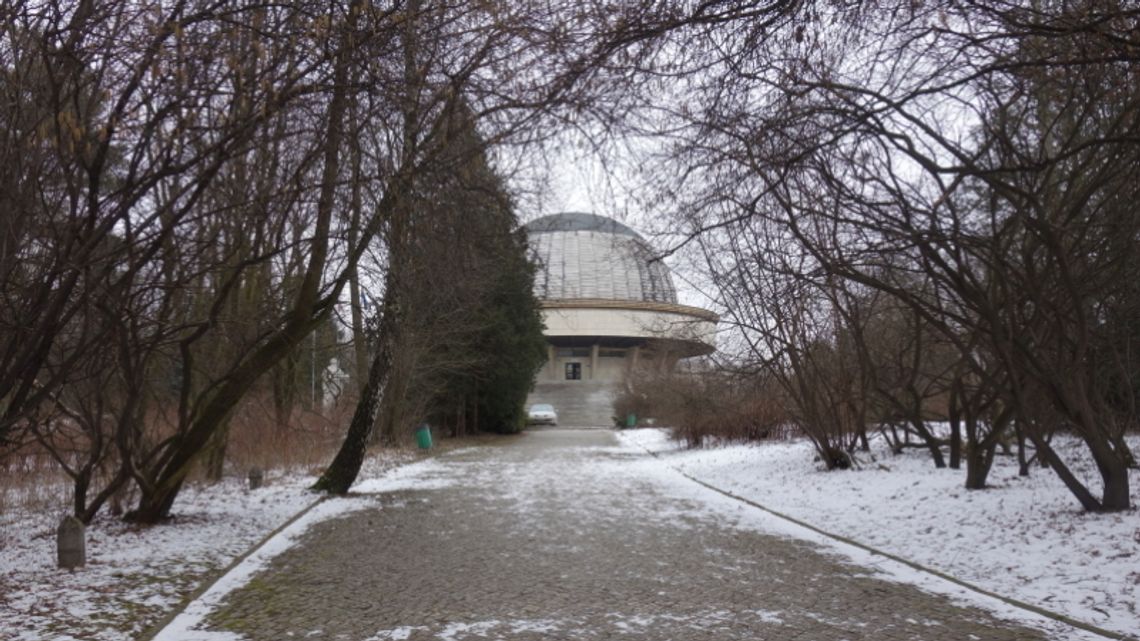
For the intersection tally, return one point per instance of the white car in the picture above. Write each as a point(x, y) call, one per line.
point(542, 414)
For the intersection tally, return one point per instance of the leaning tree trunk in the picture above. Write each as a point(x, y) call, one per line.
point(1049, 457)
point(342, 472)
point(979, 460)
point(111, 489)
point(1113, 468)
point(307, 312)
point(215, 457)
point(345, 467)
point(933, 445)
point(155, 506)
point(1116, 496)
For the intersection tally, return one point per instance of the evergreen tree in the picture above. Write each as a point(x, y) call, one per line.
point(512, 342)
point(461, 329)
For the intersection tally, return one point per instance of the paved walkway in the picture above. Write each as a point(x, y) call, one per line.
point(565, 535)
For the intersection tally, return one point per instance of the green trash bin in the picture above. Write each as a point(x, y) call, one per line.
point(423, 437)
point(631, 420)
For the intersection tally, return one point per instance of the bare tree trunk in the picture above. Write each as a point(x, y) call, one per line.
point(359, 340)
point(215, 458)
point(979, 461)
point(175, 464)
point(343, 470)
point(112, 489)
point(1022, 462)
point(933, 444)
point(955, 425)
point(1049, 457)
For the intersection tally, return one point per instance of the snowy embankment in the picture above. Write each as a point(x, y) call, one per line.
point(1024, 538)
point(136, 576)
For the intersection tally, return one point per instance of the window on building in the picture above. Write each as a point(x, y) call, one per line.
point(573, 371)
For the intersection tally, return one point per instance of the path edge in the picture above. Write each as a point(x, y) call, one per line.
point(153, 630)
point(1029, 607)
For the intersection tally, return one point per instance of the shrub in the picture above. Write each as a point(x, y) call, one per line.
point(711, 405)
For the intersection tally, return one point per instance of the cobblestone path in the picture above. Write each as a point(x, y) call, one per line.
point(566, 535)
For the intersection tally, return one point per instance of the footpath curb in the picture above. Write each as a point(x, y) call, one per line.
point(160, 625)
point(153, 630)
point(1029, 607)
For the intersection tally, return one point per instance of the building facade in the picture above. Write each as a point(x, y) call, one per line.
point(610, 310)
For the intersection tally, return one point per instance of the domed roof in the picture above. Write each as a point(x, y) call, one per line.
point(590, 256)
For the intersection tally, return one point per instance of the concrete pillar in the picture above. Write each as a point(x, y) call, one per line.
point(256, 478)
point(71, 543)
point(593, 361)
point(551, 366)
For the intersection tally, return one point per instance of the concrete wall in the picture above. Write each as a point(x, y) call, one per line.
point(607, 339)
point(612, 369)
point(653, 321)
point(596, 363)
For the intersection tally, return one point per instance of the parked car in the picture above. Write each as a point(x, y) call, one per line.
point(542, 414)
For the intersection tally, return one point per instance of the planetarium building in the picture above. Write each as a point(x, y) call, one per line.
point(610, 310)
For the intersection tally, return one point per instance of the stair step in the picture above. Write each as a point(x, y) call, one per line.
point(578, 403)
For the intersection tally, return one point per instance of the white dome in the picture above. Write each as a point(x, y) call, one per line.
point(586, 256)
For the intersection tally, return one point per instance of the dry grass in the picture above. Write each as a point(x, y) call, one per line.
point(703, 407)
point(307, 441)
point(32, 481)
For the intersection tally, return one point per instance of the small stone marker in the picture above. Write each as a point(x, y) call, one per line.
point(71, 543)
point(256, 477)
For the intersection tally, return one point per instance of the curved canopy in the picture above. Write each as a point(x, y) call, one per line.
point(586, 256)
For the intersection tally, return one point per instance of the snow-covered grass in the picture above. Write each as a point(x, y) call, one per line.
point(1024, 538)
point(136, 576)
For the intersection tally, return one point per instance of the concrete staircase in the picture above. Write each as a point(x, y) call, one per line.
point(578, 403)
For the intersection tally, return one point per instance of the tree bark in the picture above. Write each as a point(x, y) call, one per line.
point(955, 418)
point(1022, 461)
point(1049, 457)
point(344, 469)
point(215, 462)
point(979, 461)
point(933, 444)
point(359, 339)
point(175, 464)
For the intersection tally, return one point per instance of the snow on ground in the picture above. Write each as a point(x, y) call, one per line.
point(1024, 538)
point(136, 576)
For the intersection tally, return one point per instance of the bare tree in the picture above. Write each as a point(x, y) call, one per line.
point(987, 148)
